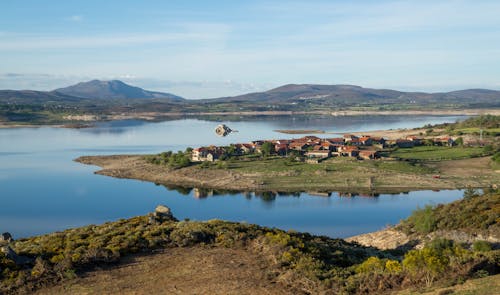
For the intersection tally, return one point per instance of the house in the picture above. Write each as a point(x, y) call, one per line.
point(246, 148)
point(298, 146)
point(355, 141)
point(416, 140)
point(212, 156)
point(378, 140)
point(404, 143)
point(369, 155)
point(310, 138)
point(281, 149)
point(336, 141)
point(209, 154)
point(349, 137)
point(283, 141)
point(199, 154)
point(365, 140)
point(318, 154)
point(348, 151)
point(326, 145)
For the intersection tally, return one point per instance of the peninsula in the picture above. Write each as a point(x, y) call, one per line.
point(450, 156)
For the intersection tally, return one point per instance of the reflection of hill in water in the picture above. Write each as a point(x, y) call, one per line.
point(268, 196)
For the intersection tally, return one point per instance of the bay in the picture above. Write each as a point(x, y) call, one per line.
point(43, 190)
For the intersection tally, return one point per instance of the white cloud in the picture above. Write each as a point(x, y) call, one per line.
point(75, 18)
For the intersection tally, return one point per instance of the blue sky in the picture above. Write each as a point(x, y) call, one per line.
point(201, 49)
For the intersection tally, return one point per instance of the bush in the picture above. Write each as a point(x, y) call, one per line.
point(423, 219)
point(481, 246)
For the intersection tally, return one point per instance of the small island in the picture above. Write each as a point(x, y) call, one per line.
point(446, 156)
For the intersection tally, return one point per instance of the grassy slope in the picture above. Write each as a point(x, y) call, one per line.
point(438, 153)
point(474, 214)
point(296, 262)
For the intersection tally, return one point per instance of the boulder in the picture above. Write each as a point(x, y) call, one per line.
point(6, 238)
point(162, 213)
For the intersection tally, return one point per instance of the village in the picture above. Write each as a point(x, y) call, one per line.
point(313, 149)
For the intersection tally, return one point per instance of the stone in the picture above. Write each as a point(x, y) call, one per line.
point(162, 213)
point(222, 130)
point(6, 238)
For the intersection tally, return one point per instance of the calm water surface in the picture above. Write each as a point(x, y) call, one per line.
point(43, 190)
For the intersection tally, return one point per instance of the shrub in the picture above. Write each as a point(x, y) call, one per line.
point(481, 246)
point(371, 265)
point(423, 219)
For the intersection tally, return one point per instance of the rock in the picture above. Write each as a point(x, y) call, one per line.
point(222, 130)
point(12, 255)
point(162, 213)
point(6, 238)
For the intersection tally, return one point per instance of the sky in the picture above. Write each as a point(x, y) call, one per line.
point(202, 49)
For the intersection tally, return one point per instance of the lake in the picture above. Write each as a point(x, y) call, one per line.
point(43, 190)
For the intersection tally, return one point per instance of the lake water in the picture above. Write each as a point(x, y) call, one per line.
point(43, 190)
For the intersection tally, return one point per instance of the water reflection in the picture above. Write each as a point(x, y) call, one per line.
point(270, 196)
point(43, 190)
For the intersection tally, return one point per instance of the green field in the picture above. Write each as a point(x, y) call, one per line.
point(437, 153)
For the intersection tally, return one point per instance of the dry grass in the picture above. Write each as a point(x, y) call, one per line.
point(194, 270)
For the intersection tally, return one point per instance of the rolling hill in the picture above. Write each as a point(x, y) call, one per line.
point(114, 89)
point(94, 91)
point(352, 94)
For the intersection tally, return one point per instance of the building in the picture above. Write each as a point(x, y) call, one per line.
point(323, 154)
point(369, 155)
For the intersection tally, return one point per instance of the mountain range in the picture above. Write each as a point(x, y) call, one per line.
point(292, 96)
point(95, 90)
point(340, 94)
point(114, 89)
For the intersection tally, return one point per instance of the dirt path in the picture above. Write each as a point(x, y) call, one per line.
point(179, 271)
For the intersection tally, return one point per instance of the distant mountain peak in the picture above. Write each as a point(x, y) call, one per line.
point(113, 89)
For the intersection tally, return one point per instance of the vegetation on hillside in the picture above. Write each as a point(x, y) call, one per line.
point(304, 263)
point(476, 212)
point(170, 159)
point(489, 124)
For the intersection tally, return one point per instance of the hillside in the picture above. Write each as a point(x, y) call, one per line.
point(114, 89)
point(345, 95)
point(147, 253)
point(35, 97)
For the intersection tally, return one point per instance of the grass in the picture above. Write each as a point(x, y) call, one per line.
point(301, 261)
point(343, 165)
point(437, 153)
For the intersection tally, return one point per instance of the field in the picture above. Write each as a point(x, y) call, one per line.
point(437, 153)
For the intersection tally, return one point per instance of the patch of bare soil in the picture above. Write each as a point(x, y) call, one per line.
point(469, 172)
point(194, 270)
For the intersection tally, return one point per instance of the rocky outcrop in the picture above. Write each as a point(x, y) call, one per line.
point(383, 239)
point(5, 238)
point(222, 130)
point(393, 239)
point(162, 213)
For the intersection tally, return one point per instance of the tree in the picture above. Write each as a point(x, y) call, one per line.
point(459, 141)
point(267, 148)
point(427, 263)
point(423, 219)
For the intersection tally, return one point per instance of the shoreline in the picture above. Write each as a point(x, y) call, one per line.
point(135, 167)
point(152, 116)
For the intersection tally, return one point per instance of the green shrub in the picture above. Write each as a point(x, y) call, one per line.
point(423, 219)
point(481, 246)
